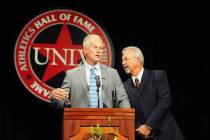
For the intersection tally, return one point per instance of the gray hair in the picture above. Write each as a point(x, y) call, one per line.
point(136, 52)
point(89, 39)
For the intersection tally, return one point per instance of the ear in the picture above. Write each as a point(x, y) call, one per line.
point(84, 51)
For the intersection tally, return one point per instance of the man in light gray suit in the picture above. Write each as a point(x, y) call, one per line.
point(74, 91)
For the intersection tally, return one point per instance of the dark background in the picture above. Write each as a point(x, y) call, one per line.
point(165, 31)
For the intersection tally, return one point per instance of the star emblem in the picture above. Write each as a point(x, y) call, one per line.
point(62, 47)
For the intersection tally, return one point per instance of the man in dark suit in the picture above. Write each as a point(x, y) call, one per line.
point(149, 93)
point(76, 87)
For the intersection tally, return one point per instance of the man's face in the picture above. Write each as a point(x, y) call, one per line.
point(94, 52)
point(129, 62)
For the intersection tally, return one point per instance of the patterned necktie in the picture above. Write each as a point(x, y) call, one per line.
point(93, 97)
point(137, 83)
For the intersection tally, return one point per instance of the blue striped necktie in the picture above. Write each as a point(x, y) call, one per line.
point(93, 97)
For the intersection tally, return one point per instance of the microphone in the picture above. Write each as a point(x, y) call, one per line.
point(114, 99)
point(98, 84)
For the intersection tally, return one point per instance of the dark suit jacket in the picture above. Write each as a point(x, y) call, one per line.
point(152, 102)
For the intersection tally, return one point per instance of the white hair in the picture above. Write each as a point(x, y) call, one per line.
point(90, 38)
point(136, 52)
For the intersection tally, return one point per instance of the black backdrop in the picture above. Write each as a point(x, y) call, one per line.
point(164, 30)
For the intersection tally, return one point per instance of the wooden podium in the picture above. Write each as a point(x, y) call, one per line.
point(80, 123)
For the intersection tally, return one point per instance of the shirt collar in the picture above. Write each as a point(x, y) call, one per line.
point(139, 76)
point(89, 67)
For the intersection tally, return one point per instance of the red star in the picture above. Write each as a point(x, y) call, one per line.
point(63, 42)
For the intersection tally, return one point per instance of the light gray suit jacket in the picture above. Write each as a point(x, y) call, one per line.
point(76, 80)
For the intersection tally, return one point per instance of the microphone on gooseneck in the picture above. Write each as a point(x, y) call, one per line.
point(98, 84)
point(114, 99)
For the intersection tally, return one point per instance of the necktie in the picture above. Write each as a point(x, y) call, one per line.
point(93, 97)
point(137, 83)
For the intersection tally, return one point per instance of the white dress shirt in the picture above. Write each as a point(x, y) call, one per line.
point(139, 76)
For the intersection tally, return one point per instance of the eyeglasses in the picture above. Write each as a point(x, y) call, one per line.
point(126, 59)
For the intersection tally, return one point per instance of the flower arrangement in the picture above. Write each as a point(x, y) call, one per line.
point(97, 134)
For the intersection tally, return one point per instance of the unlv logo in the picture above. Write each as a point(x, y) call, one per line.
point(50, 44)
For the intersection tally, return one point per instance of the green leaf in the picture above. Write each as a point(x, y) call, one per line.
point(91, 131)
point(99, 131)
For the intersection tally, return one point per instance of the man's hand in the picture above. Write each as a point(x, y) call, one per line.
point(59, 94)
point(144, 131)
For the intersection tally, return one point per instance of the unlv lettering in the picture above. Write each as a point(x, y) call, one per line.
point(66, 56)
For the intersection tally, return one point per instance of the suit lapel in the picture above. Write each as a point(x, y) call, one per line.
point(83, 78)
point(104, 75)
point(144, 80)
point(132, 88)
